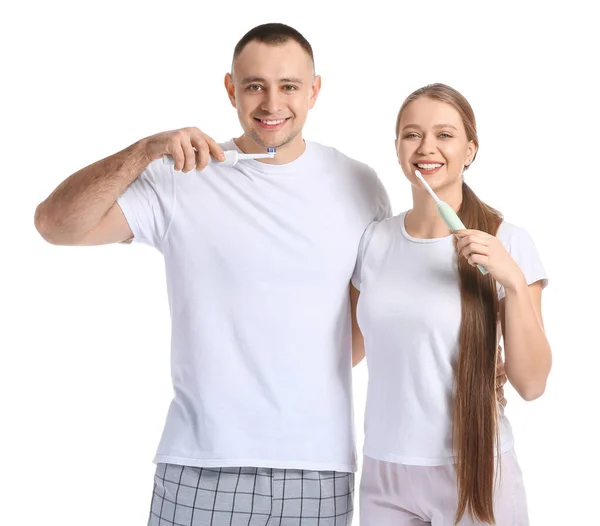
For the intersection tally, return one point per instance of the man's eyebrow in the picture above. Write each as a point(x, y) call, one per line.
point(436, 126)
point(286, 80)
point(291, 80)
point(250, 80)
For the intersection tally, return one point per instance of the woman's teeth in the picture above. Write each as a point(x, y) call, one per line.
point(429, 166)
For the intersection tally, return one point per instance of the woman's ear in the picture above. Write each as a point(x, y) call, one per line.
point(471, 152)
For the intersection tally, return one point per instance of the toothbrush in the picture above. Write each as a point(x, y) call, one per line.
point(448, 215)
point(231, 157)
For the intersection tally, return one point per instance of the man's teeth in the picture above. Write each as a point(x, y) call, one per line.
point(428, 166)
point(273, 123)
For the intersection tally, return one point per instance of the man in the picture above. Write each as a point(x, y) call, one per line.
point(258, 260)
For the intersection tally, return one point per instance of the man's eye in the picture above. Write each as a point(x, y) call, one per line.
point(445, 135)
point(289, 87)
point(411, 136)
point(254, 87)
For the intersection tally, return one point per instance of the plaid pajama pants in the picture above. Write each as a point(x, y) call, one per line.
point(192, 496)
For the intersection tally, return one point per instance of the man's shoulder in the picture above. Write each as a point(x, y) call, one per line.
point(335, 156)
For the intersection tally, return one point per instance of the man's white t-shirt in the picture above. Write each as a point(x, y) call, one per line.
point(258, 261)
point(409, 312)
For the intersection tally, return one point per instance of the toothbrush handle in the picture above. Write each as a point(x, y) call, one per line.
point(454, 223)
point(167, 159)
point(231, 158)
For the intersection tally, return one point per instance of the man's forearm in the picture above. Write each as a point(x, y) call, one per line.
point(80, 202)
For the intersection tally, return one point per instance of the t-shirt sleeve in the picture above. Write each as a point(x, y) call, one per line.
point(149, 204)
point(383, 207)
point(523, 250)
point(362, 247)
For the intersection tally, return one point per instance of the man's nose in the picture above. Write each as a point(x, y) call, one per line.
point(272, 102)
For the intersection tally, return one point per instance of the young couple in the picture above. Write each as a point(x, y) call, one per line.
point(259, 258)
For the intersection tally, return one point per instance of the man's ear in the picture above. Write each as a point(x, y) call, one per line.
point(314, 91)
point(230, 87)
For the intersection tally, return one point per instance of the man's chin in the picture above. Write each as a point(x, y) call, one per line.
point(274, 140)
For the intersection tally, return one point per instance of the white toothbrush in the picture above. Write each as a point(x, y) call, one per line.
point(447, 213)
point(231, 157)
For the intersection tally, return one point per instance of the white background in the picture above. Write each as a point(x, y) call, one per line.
point(84, 339)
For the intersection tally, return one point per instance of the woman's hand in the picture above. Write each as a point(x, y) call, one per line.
point(479, 247)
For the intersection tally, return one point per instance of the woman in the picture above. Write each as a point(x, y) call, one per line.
point(431, 321)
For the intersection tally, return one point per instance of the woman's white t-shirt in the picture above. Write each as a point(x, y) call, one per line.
point(409, 312)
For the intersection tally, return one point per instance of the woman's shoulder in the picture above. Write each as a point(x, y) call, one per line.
point(511, 233)
point(380, 231)
point(389, 223)
point(518, 242)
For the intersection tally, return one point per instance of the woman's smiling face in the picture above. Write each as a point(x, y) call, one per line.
point(432, 139)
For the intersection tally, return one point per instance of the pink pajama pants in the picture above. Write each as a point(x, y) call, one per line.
point(400, 495)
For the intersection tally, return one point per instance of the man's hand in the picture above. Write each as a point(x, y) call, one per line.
point(501, 379)
point(190, 148)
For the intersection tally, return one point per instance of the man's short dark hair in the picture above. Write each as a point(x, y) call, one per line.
point(273, 34)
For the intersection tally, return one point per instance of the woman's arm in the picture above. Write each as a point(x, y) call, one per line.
point(526, 349)
point(528, 357)
point(358, 342)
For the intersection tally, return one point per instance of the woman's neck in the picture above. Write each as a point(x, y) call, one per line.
point(423, 220)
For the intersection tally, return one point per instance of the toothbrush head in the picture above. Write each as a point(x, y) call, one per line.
point(271, 152)
point(426, 185)
point(423, 181)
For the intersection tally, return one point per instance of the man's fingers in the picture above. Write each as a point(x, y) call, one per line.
point(500, 369)
point(190, 156)
point(501, 379)
point(215, 150)
point(190, 148)
point(500, 395)
point(178, 157)
point(200, 138)
point(203, 157)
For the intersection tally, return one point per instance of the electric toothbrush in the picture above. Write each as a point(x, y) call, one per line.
point(447, 213)
point(232, 157)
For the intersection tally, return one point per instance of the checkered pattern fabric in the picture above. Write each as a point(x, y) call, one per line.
point(192, 496)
